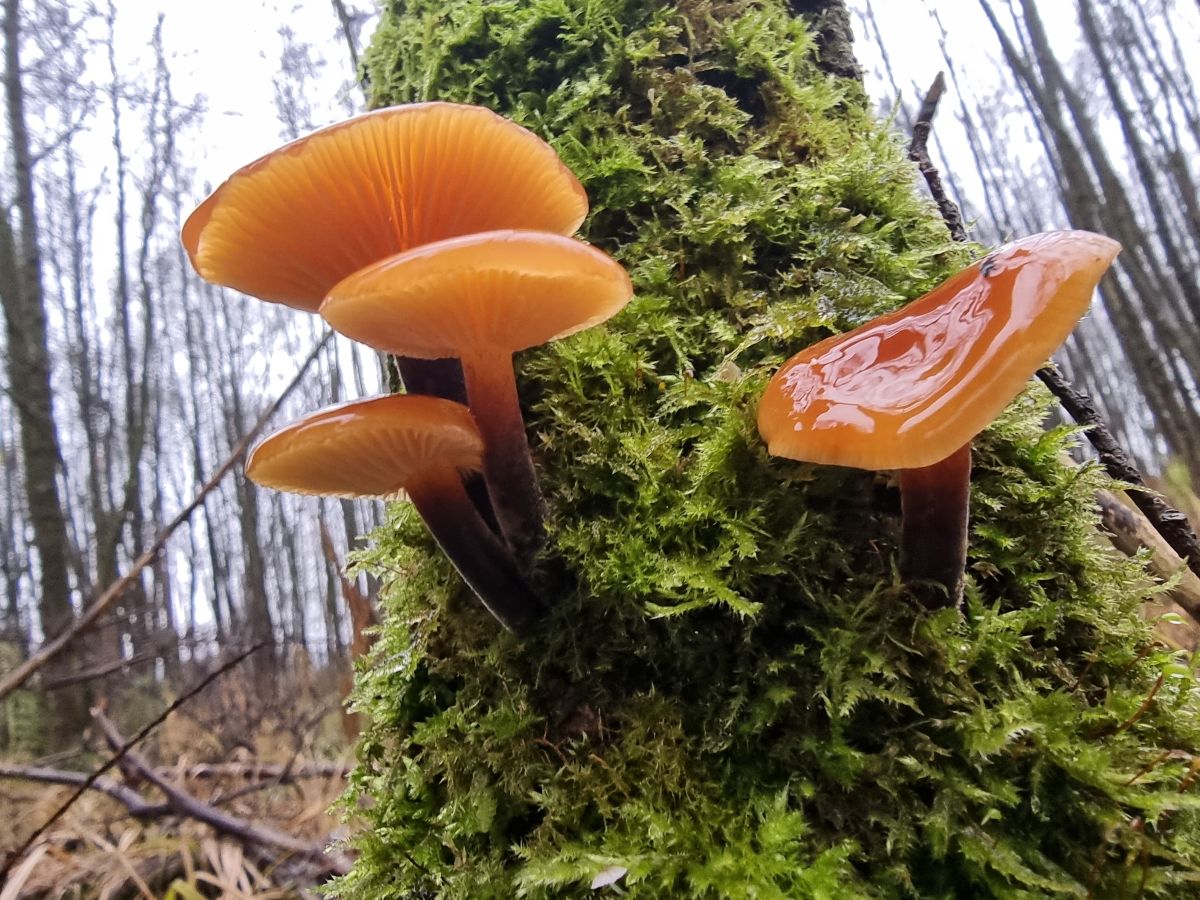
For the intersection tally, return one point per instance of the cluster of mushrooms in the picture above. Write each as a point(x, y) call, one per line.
point(440, 233)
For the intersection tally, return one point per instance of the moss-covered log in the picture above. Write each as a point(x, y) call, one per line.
point(734, 697)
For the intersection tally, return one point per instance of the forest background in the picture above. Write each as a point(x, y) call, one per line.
point(128, 383)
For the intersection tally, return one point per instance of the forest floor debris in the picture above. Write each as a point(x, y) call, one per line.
point(185, 815)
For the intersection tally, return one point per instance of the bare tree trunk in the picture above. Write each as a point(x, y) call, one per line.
point(1140, 57)
point(1131, 130)
point(11, 556)
point(198, 372)
point(906, 119)
point(256, 601)
point(997, 208)
point(29, 369)
point(830, 20)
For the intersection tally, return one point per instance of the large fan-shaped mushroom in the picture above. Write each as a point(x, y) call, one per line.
point(910, 389)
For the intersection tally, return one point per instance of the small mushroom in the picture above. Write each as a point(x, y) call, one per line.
point(910, 389)
point(481, 298)
point(289, 226)
point(397, 445)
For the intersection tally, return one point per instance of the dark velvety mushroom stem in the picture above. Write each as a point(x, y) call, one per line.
point(444, 378)
point(933, 549)
point(485, 564)
point(507, 465)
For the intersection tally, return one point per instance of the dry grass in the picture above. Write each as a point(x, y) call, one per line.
point(97, 849)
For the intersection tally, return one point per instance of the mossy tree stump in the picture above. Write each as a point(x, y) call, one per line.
point(734, 697)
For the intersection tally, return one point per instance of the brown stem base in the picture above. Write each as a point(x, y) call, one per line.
point(485, 564)
point(935, 502)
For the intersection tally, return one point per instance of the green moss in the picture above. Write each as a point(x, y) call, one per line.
point(734, 697)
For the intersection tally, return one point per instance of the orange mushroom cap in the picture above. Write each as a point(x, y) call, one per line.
point(292, 224)
point(910, 388)
point(368, 448)
point(500, 290)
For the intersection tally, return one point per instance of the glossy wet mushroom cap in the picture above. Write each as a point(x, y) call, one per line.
point(910, 390)
point(290, 225)
point(912, 387)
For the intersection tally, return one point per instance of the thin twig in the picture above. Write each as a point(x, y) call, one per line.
point(102, 671)
point(272, 771)
point(222, 799)
point(1167, 521)
point(124, 748)
point(115, 590)
point(918, 152)
point(1141, 710)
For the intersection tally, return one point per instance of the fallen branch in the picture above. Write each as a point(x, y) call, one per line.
point(1130, 532)
point(1170, 523)
point(126, 796)
point(185, 804)
point(90, 780)
point(117, 589)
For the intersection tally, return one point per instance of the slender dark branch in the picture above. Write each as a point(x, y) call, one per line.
point(918, 152)
point(116, 665)
point(121, 751)
point(65, 135)
point(222, 799)
point(1169, 522)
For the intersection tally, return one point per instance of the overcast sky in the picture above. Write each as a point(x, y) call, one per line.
point(229, 52)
